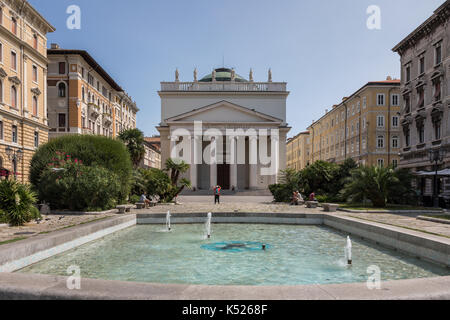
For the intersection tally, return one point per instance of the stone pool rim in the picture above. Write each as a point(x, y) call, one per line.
point(435, 249)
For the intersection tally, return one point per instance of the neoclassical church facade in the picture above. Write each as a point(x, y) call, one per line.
point(232, 131)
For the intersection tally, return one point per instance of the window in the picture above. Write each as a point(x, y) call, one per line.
point(395, 101)
point(364, 102)
point(421, 132)
point(438, 53)
point(13, 60)
point(437, 89)
point(407, 135)
point(422, 65)
point(90, 79)
point(407, 103)
point(408, 73)
point(13, 97)
point(61, 90)
point(35, 106)
point(364, 143)
point(83, 96)
point(380, 142)
point(14, 134)
point(35, 41)
point(364, 123)
point(36, 139)
point(353, 110)
point(380, 99)
point(1, 52)
point(380, 162)
point(62, 68)
point(394, 163)
point(61, 120)
point(437, 129)
point(1, 130)
point(395, 121)
point(395, 142)
point(98, 87)
point(380, 121)
point(14, 25)
point(82, 72)
point(35, 74)
point(1, 21)
point(421, 97)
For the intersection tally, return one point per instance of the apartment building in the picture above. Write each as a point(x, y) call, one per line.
point(425, 88)
point(23, 94)
point(365, 127)
point(152, 157)
point(298, 151)
point(83, 98)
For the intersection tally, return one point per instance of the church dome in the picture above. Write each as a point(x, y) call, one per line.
point(223, 74)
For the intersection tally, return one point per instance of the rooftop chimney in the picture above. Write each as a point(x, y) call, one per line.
point(55, 46)
point(344, 98)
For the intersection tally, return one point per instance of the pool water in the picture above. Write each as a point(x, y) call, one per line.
point(233, 256)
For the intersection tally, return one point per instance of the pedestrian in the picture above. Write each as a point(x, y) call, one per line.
point(312, 197)
point(217, 194)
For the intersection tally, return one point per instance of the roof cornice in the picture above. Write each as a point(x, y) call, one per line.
point(440, 16)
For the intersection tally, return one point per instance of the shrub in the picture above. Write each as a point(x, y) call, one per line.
point(17, 203)
point(92, 151)
point(281, 192)
point(69, 184)
point(134, 198)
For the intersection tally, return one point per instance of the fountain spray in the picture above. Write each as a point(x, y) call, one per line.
point(168, 221)
point(208, 225)
point(348, 251)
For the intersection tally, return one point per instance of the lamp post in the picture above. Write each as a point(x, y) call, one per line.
point(14, 156)
point(436, 156)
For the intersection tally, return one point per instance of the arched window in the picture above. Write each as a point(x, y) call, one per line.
point(13, 97)
point(61, 90)
point(35, 106)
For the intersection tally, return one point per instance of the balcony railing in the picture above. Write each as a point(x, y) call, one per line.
point(224, 86)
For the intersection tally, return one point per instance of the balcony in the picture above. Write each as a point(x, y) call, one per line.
point(107, 119)
point(223, 86)
point(94, 110)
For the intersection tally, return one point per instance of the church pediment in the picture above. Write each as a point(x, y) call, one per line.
point(224, 111)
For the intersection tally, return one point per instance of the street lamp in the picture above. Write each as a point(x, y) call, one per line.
point(436, 156)
point(14, 156)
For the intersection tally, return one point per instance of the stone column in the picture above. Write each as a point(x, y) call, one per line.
point(213, 163)
point(275, 155)
point(193, 169)
point(253, 161)
point(173, 147)
point(233, 163)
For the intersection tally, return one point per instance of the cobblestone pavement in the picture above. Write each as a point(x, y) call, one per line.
point(194, 204)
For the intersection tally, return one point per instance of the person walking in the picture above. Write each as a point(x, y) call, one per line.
point(217, 194)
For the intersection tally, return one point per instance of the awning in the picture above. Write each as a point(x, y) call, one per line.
point(442, 173)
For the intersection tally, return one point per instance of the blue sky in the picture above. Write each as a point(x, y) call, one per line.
point(322, 49)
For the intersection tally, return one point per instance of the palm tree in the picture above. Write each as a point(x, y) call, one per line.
point(373, 183)
point(134, 140)
point(176, 168)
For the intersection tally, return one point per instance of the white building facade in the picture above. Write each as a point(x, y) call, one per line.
point(231, 131)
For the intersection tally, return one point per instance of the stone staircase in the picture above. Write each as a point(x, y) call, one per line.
point(252, 193)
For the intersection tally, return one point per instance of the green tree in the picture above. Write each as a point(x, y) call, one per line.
point(318, 177)
point(134, 140)
point(374, 183)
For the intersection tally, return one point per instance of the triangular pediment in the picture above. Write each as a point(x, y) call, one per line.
point(224, 111)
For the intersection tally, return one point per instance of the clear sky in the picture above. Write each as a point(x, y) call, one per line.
point(321, 48)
